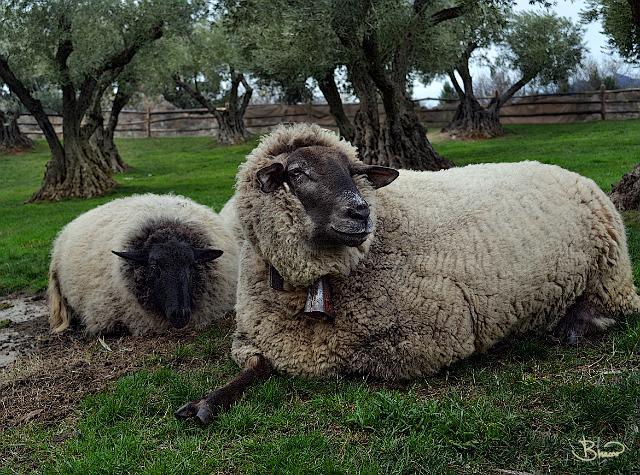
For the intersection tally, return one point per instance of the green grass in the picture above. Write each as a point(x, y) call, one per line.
point(523, 409)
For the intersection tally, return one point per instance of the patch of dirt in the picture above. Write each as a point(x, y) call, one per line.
point(438, 136)
point(49, 374)
point(22, 321)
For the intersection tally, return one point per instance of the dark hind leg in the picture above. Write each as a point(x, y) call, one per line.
point(582, 319)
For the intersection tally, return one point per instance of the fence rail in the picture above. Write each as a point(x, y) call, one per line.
point(259, 118)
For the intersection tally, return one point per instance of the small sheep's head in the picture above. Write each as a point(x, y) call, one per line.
point(322, 179)
point(166, 275)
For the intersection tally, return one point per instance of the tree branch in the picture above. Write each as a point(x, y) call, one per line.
point(196, 95)
point(119, 102)
point(463, 68)
point(117, 61)
point(456, 85)
point(329, 89)
point(63, 51)
point(33, 105)
point(447, 14)
point(94, 108)
point(233, 94)
point(246, 97)
point(515, 87)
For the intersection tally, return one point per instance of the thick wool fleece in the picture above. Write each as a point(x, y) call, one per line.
point(460, 259)
point(229, 215)
point(88, 281)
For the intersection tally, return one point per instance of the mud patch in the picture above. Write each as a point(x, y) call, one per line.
point(49, 374)
point(23, 320)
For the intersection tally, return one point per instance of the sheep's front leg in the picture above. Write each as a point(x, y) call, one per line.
point(256, 369)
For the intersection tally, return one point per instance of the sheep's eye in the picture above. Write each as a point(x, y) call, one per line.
point(298, 175)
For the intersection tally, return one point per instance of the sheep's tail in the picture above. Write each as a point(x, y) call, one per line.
point(59, 315)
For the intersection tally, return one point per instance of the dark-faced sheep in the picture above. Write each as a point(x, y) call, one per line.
point(143, 264)
point(412, 275)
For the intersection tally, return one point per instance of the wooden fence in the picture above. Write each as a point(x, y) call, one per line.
point(259, 118)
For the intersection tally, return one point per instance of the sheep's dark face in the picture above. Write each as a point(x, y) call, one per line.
point(166, 275)
point(322, 179)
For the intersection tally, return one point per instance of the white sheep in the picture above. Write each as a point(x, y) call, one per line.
point(424, 272)
point(144, 263)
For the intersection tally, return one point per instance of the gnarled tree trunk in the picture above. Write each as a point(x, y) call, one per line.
point(404, 137)
point(368, 137)
point(103, 136)
point(11, 137)
point(230, 119)
point(401, 141)
point(472, 120)
point(78, 171)
point(231, 128)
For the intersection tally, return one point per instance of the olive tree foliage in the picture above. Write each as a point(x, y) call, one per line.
point(204, 70)
point(81, 47)
point(539, 48)
point(620, 23)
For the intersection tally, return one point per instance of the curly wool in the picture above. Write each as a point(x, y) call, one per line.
point(88, 282)
point(229, 215)
point(460, 259)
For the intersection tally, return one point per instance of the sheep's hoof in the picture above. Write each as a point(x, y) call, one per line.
point(200, 410)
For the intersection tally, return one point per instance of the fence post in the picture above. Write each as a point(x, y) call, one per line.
point(148, 121)
point(603, 102)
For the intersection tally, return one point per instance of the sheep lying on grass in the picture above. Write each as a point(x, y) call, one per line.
point(144, 263)
point(430, 269)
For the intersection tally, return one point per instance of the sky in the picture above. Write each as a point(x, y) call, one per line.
point(595, 41)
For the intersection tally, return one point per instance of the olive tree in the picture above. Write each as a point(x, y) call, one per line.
point(82, 46)
point(539, 48)
point(203, 69)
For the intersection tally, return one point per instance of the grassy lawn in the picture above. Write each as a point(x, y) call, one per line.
point(521, 409)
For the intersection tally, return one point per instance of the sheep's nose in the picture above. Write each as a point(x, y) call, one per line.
point(359, 211)
point(180, 317)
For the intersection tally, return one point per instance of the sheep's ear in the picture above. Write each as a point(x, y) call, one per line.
point(271, 177)
point(206, 255)
point(378, 176)
point(139, 257)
